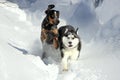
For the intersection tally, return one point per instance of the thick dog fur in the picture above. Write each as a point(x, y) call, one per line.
point(70, 44)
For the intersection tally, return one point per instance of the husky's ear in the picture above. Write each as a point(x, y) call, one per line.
point(51, 6)
point(66, 30)
point(76, 31)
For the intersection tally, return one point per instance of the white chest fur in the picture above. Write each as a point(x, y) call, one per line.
point(71, 53)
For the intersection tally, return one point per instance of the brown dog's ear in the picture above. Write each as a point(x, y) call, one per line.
point(51, 6)
point(46, 11)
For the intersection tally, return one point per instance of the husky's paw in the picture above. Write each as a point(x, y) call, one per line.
point(65, 69)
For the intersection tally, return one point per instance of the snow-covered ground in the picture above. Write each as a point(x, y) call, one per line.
point(21, 48)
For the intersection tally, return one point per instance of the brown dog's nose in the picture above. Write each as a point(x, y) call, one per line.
point(56, 21)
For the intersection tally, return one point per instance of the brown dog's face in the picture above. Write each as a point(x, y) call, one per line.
point(53, 16)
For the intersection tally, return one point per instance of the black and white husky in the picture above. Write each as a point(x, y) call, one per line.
point(70, 44)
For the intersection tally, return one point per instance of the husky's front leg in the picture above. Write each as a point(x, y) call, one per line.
point(65, 63)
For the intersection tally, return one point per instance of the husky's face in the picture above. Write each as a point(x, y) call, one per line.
point(70, 40)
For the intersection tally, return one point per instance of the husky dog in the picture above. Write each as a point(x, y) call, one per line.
point(70, 44)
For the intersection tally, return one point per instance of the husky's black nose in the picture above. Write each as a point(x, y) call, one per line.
point(70, 42)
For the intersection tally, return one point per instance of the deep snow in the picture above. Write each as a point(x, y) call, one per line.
point(21, 48)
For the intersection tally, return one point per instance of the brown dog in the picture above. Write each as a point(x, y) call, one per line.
point(49, 31)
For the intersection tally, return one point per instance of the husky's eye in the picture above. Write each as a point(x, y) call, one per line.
point(73, 38)
point(66, 35)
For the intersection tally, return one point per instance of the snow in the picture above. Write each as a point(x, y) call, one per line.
point(21, 48)
point(107, 10)
point(17, 37)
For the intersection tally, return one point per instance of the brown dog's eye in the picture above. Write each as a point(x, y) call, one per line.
point(52, 16)
point(58, 14)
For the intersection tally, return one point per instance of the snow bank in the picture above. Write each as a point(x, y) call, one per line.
point(17, 37)
point(108, 10)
